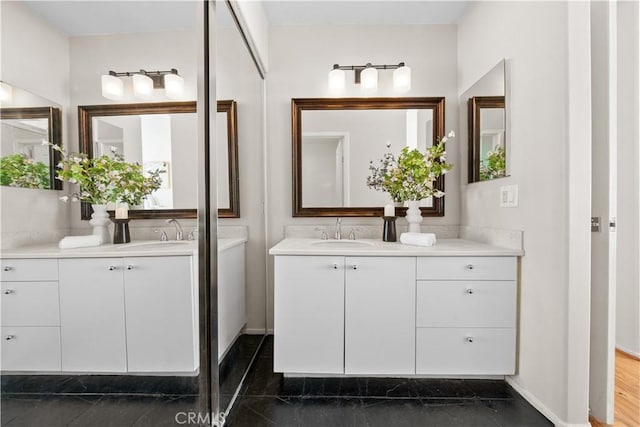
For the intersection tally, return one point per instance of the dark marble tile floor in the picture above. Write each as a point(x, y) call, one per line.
point(269, 399)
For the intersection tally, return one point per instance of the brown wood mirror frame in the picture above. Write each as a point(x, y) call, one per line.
point(475, 105)
point(299, 105)
point(86, 113)
point(54, 122)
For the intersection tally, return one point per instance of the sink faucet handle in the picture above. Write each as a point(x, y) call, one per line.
point(323, 236)
point(193, 234)
point(352, 234)
point(163, 235)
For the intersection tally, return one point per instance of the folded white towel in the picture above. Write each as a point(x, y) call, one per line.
point(71, 242)
point(418, 239)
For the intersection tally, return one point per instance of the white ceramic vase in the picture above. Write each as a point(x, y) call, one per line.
point(414, 216)
point(100, 221)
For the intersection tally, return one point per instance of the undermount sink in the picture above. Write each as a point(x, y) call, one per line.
point(341, 243)
point(157, 244)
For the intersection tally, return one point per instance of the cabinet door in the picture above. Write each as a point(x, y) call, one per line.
point(380, 321)
point(309, 314)
point(159, 309)
point(92, 315)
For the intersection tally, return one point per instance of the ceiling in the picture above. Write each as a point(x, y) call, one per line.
point(90, 17)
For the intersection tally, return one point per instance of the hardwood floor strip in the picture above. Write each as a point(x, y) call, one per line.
point(627, 392)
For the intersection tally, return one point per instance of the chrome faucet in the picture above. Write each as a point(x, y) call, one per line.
point(338, 233)
point(178, 227)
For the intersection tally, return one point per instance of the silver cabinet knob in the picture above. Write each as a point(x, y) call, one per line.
point(129, 267)
point(8, 292)
point(335, 266)
point(354, 266)
point(7, 268)
point(469, 267)
point(112, 267)
point(469, 339)
point(470, 291)
point(9, 337)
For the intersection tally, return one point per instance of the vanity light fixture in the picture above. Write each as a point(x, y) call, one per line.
point(367, 76)
point(144, 82)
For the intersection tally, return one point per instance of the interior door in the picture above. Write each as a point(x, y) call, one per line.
point(604, 184)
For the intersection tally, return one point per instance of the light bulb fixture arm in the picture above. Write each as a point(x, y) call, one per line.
point(358, 68)
point(156, 76)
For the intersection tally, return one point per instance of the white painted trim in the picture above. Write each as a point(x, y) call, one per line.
point(541, 407)
point(254, 331)
point(627, 351)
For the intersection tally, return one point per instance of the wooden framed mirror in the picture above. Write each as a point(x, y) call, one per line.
point(487, 148)
point(162, 136)
point(24, 129)
point(334, 140)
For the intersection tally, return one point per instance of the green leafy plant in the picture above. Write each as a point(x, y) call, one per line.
point(18, 170)
point(412, 175)
point(106, 179)
point(495, 165)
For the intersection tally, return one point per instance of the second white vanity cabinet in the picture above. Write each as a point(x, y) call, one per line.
point(127, 314)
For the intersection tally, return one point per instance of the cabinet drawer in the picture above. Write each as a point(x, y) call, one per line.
point(465, 351)
point(30, 304)
point(28, 269)
point(467, 268)
point(459, 304)
point(30, 349)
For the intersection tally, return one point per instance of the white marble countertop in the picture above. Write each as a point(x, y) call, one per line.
point(375, 247)
point(135, 248)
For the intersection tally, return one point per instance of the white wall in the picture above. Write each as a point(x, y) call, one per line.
point(33, 56)
point(628, 274)
point(254, 24)
point(238, 79)
point(300, 58)
point(535, 37)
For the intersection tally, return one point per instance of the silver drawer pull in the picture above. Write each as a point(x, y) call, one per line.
point(335, 266)
point(8, 292)
point(112, 267)
point(7, 268)
point(354, 266)
point(469, 266)
point(129, 267)
point(469, 339)
point(9, 337)
point(470, 291)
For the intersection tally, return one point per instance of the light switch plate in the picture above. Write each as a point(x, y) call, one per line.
point(509, 196)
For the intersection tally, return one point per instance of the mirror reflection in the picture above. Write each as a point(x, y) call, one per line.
point(27, 160)
point(487, 124)
point(334, 141)
point(163, 136)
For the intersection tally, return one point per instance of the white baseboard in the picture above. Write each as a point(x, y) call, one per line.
point(629, 352)
point(254, 331)
point(542, 407)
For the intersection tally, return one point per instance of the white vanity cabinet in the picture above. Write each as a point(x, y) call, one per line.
point(466, 315)
point(352, 315)
point(30, 315)
point(309, 314)
point(127, 314)
point(160, 321)
point(378, 308)
point(380, 315)
point(92, 315)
